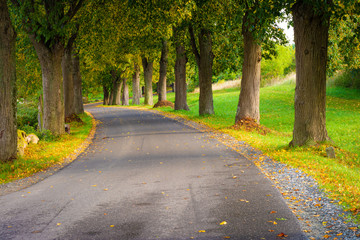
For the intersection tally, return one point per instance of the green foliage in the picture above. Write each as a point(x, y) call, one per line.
point(47, 135)
point(27, 113)
point(279, 65)
point(348, 79)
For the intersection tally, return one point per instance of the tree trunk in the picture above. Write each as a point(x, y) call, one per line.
point(125, 95)
point(311, 41)
point(148, 72)
point(115, 97)
point(163, 71)
point(78, 98)
point(50, 60)
point(8, 130)
point(136, 85)
point(180, 74)
point(204, 59)
point(249, 99)
point(68, 81)
point(106, 100)
point(206, 105)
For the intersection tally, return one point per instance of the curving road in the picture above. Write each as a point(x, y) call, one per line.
point(149, 177)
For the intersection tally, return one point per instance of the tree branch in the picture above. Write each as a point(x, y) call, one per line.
point(193, 44)
point(74, 8)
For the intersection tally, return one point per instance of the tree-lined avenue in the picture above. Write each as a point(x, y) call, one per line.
point(146, 176)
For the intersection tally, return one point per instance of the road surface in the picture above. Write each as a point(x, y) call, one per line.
point(150, 177)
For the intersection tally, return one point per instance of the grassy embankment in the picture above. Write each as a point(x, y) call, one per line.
point(339, 177)
point(45, 154)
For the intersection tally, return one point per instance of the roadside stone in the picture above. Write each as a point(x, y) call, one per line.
point(32, 138)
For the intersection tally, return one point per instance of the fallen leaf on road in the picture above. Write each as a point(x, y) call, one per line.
point(112, 226)
point(223, 223)
point(273, 212)
point(202, 231)
point(271, 230)
point(105, 189)
point(282, 235)
point(58, 224)
point(93, 185)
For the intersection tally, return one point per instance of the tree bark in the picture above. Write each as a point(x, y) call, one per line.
point(50, 61)
point(311, 40)
point(78, 98)
point(125, 95)
point(115, 97)
point(163, 71)
point(204, 59)
point(106, 100)
point(8, 129)
point(180, 74)
point(136, 85)
point(249, 99)
point(68, 81)
point(148, 73)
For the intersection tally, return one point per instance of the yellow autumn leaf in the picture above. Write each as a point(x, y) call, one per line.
point(112, 225)
point(223, 223)
point(202, 231)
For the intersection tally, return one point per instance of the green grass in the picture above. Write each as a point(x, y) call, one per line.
point(339, 177)
point(45, 154)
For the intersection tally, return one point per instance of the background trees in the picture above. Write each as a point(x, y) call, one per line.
point(192, 43)
point(47, 25)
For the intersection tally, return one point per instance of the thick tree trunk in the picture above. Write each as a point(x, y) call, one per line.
point(68, 81)
point(206, 105)
point(163, 71)
point(311, 41)
point(50, 61)
point(125, 95)
point(8, 130)
point(106, 100)
point(78, 98)
point(136, 85)
point(148, 73)
point(249, 99)
point(204, 59)
point(180, 77)
point(115, 97)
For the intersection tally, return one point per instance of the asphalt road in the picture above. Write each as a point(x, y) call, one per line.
point(149, 177)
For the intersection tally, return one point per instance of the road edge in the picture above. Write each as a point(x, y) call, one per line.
point(23, 183)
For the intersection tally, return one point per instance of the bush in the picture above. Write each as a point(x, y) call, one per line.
point(46, 135)
point(348, 79)
point(27, 115)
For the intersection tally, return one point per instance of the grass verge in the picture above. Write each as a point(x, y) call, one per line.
point(339, 178)
point(41, 156)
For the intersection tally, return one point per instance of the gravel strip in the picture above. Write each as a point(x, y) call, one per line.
point(319, 216)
